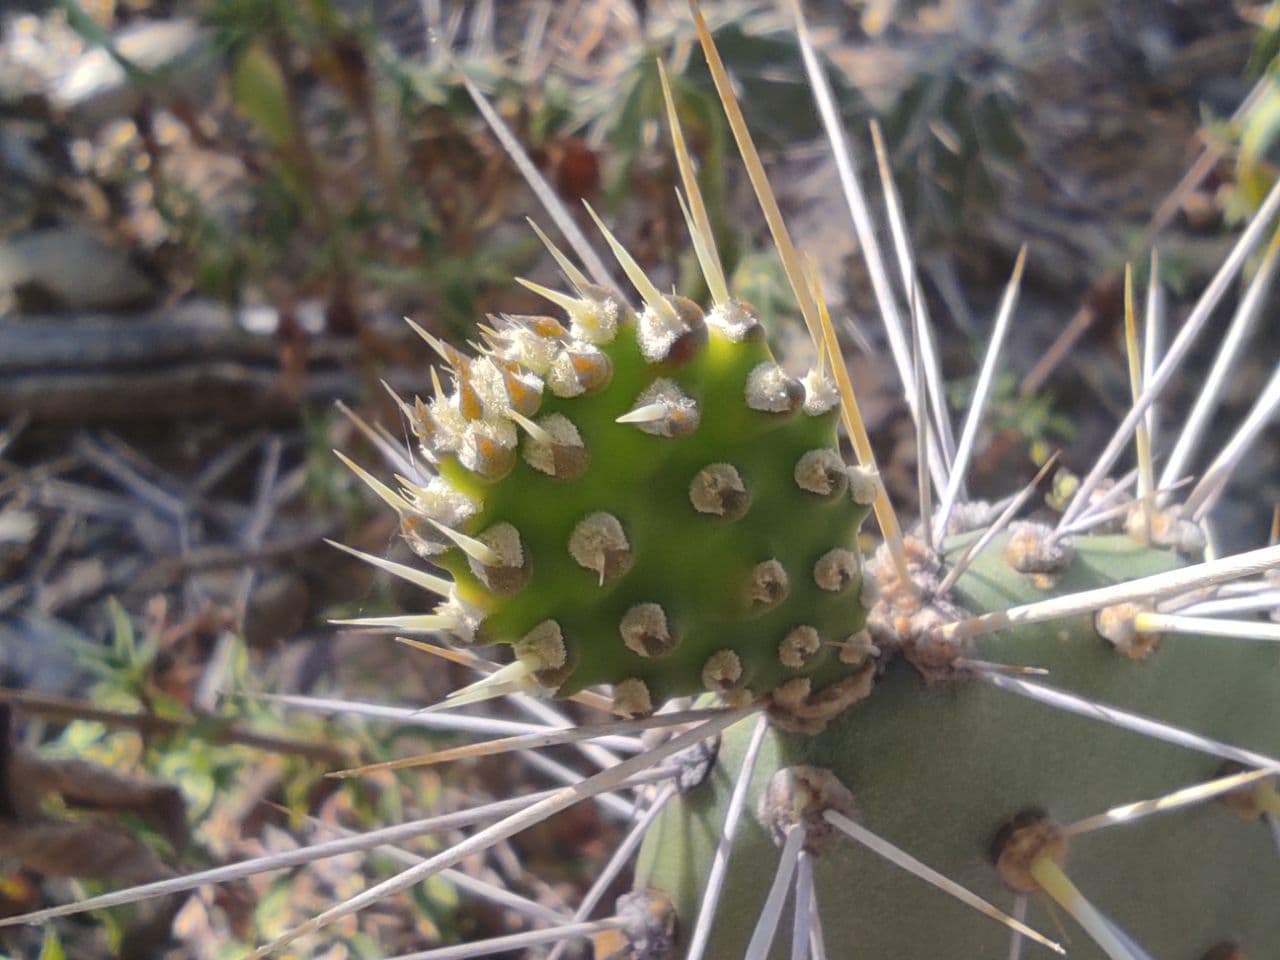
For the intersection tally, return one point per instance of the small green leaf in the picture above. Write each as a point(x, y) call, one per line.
point(1255, 168)
point(51, 949)
point(121, 632)
point(260, 92)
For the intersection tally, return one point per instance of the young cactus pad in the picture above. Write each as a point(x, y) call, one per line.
point(646, 501)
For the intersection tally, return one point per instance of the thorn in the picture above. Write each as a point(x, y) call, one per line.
point(463, 882)
point(720, 860)
point(1194, 606)
point(1146, 622)
point(1145, 726)
point(1211, 486)
point(923, 433)
point(1141, 590)
point(1194, 324)
point(767, 925)
point(570, 305)
point(533, 813)
point(597, 701)
point(664, 410)
point(1153, 336)
point(903, 860)
point(1015, 937)
point(868, 241)
point(759, 179)
point(856, 428)
point(545, 193)
point(939, 460)
point(968, 663)
point(1141, 439)
point(418, 577)
point(1187, 796)
point(571, 272)
point(533, 741)
point(473, 548)
point(644, 286)
point(609, 873)
point(1095, 517)
point(516, 675)
point(1054, 881)
point(562, 933)
point(817, 941)
point(705, 261)
point(392, 499)
point(800, 931)
point(704, 241)
point(289, 858)
point(649, 413)
point(456, 359)
point(466, 658)
point(531, 428)
point(418, 623)
point(1119, 487)
point(1243, 322)
point(986, 378)
point(391, 452)
point(405, 410)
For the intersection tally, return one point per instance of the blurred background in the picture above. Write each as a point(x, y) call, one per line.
point(215, 213)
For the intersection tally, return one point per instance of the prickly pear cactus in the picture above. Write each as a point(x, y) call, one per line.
point(996, 738)
point(649, 502)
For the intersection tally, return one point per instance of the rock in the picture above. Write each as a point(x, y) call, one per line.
point(95, 88)
point(39, 653)
point(68, 267)
point(17, 527)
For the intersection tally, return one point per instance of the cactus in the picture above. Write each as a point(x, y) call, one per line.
point(918, 754)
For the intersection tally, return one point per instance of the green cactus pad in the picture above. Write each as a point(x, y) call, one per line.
point(645, 501)
point(938, 769)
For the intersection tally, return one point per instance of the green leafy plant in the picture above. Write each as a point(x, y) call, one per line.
point(137, 785)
